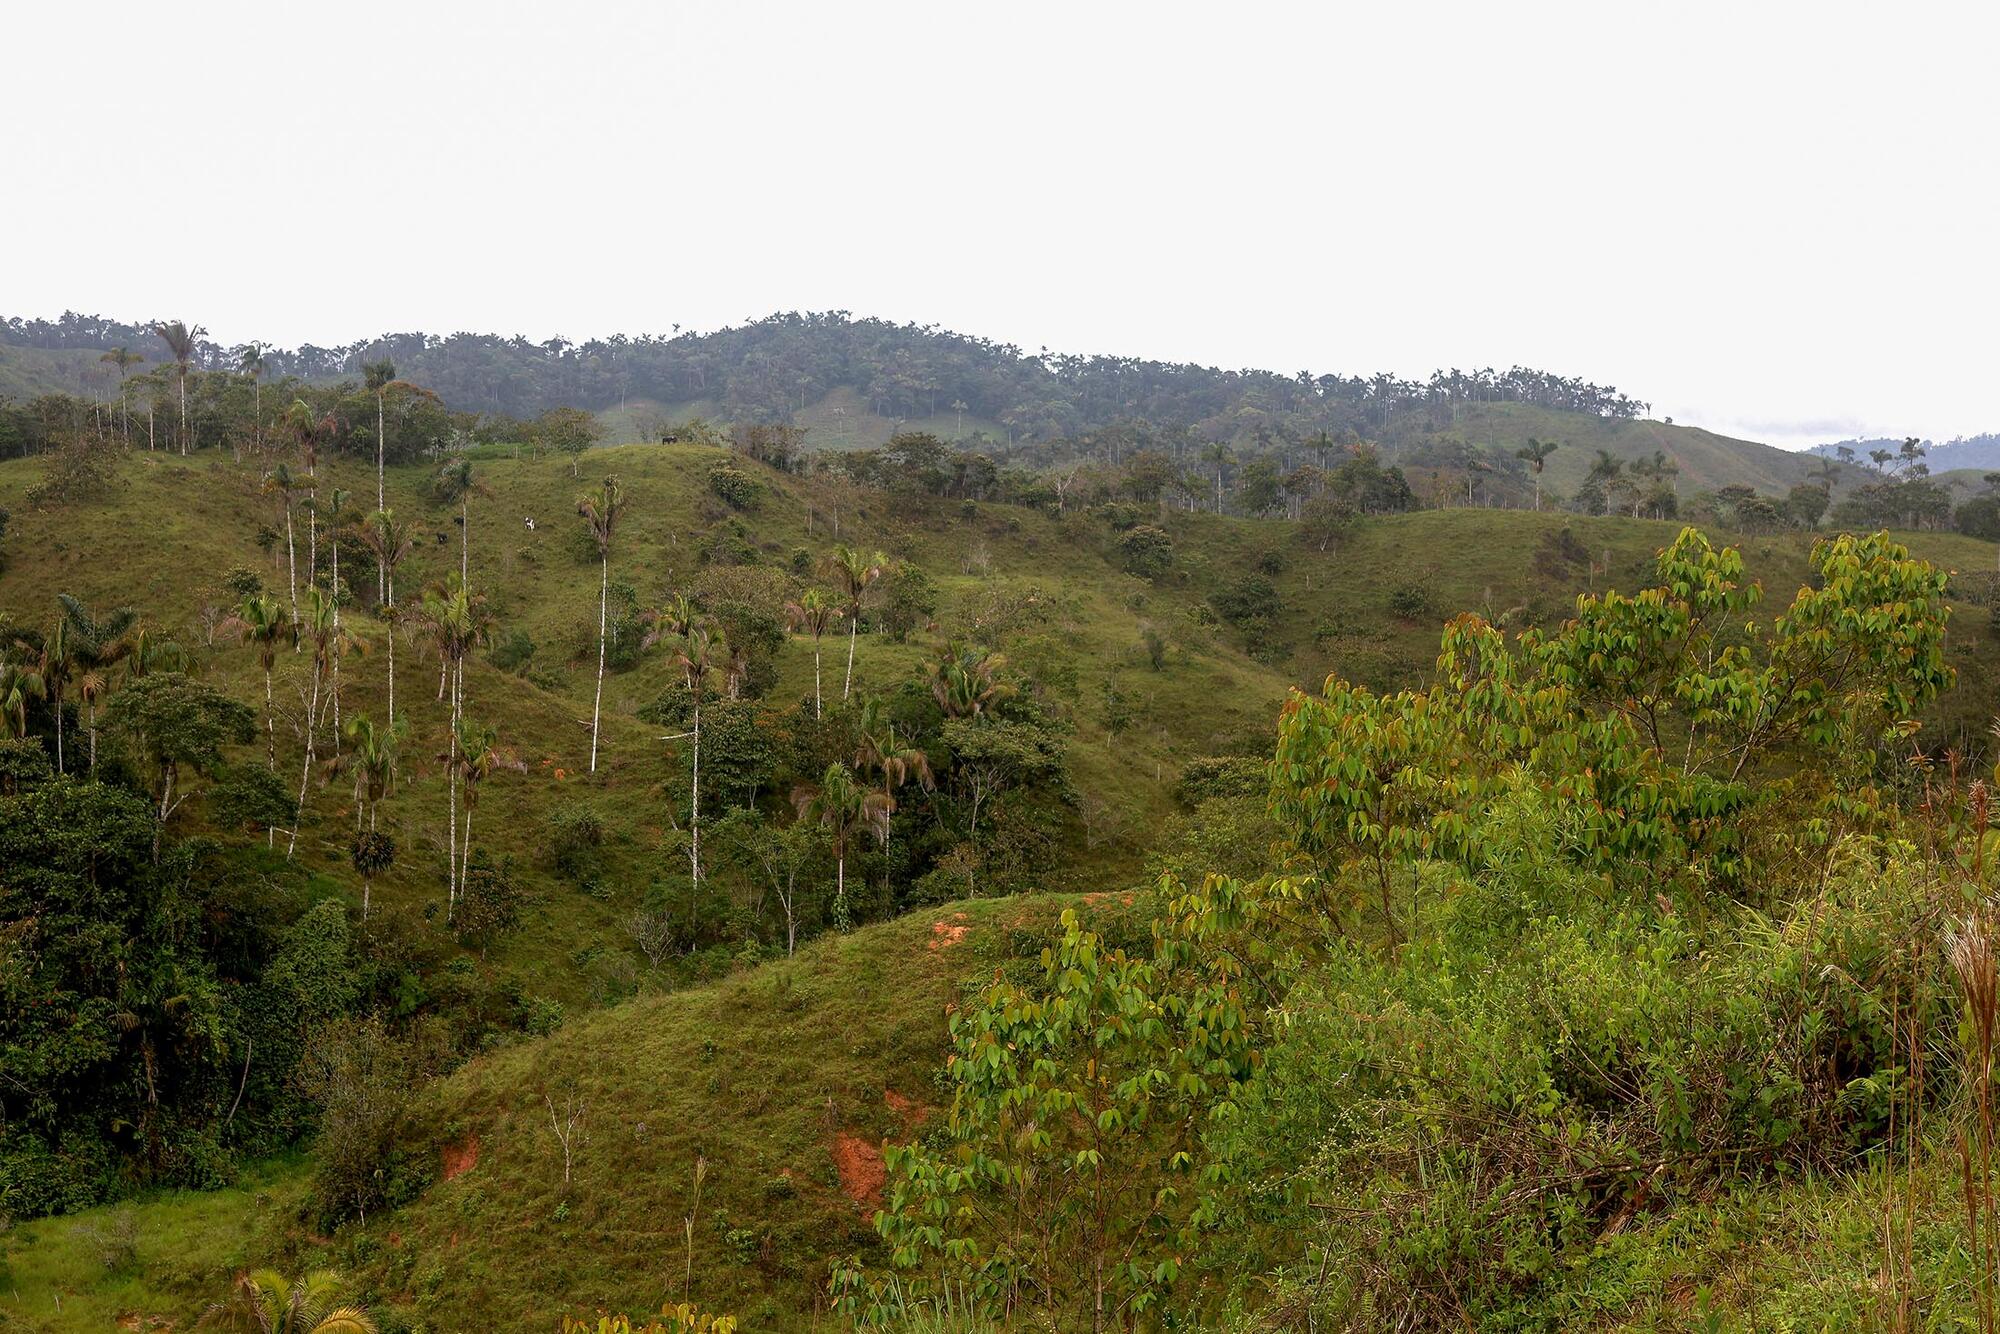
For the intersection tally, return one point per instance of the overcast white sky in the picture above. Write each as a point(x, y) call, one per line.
point(1773, 220)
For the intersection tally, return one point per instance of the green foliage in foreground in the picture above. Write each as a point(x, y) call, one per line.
point(1660, 942)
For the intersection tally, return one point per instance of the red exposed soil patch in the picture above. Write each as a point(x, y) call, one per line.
point(860, 1167)
point(944, 935)
point(913, 1112)
point(461, 1158)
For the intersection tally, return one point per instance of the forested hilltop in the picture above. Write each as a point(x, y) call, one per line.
point(768, 370)
point(514, 871)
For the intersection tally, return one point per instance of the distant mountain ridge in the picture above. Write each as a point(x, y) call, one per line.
point(854, 382)
point(776, 367)
point(1977, 453)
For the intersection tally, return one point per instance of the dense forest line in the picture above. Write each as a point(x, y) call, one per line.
point(765, 370)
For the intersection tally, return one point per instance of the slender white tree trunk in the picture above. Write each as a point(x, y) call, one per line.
point(391, 609)
point(305, 770)
point(336, 676)
point(451, 800)
point(694, 805)
point(312, 535)
point(184, 412)
point(603, 604)
point(291, 561)
point(819, 710)
point(381, 582)
point(853, 622)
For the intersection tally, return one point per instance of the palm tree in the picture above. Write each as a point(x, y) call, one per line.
point(693, 658)
point(372, 757)
point(456, 482)
point(843, 808)
point(965, 681)
point(266, 1302)
point(260, 620)
point(456, 622)
point(878, 751)
point(55, 665)
point(336, 502)
point(389, 541)
point(600, 513)
point(854, 573)
point(377, 376)
point(181, 344)
point(310, 432)
point(19, 683)
point(150, 655)
point(322, 630)
point(96, 645)
point(250, 362)
point(475, 754)
point(282, 482)
point(124, 359)
point(1536, 452)
point(1217, 452)
point(812, 613)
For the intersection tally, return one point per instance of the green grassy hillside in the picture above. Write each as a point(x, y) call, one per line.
point(783, 1077)
point(171, 527)
point(778, 1084)
point(1706, 460)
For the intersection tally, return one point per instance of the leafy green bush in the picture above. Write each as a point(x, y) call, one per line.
point(575, 841)
point(512, 651)
point(1147, 551)
point(1411, 601)
point(1252, 600)
point(734, 487)
point(1207, 776)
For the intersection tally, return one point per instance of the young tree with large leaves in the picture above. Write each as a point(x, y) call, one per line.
point(266, 1302)
point(600, 510)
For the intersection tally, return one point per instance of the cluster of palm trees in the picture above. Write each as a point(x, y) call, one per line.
point(841, 802)
point(448, 617)
point(81, 657)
